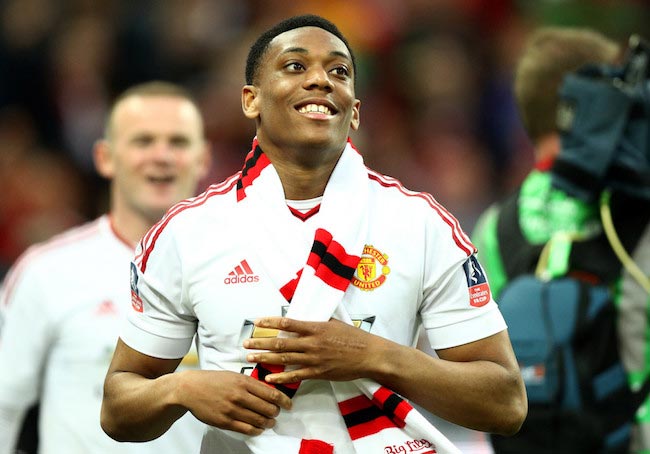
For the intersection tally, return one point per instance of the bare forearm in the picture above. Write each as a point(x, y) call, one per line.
point(136, 408)
point(479, 394)
point(476, 385)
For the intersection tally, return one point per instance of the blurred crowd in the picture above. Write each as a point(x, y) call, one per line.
point(435, 83)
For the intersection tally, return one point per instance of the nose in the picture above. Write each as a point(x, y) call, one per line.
point(318, 77)
point(161, 151)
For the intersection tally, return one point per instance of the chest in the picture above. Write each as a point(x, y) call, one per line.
point(89, 313)
point(227, 291)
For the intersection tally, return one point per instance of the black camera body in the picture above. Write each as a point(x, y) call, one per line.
point(604, 122)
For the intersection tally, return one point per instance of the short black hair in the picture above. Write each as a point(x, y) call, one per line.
point(261, 45)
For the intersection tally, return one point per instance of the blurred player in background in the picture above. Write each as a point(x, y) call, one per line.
point(63, 300)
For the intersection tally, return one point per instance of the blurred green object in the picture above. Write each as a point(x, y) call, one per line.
point(617, 19)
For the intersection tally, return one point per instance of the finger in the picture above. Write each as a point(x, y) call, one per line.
point(279, 358)
point(250, 422)
point(244, 428)
point(285, 324)
point(247, 414)
point(285, 377)
point(276, 344)
point(268, 399)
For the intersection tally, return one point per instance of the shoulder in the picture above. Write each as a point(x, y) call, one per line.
point(401, 203)
point(74, 240)
point(190, 220)
point(46, 260)
point(185, 214)
point(390, 190)
point(216, 195)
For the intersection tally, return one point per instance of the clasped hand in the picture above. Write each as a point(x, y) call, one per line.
point(330, 350)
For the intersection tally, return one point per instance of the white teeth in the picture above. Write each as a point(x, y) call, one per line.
point(315, 108)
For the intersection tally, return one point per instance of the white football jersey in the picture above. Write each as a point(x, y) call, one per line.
point(198, 271)
point(63, 303)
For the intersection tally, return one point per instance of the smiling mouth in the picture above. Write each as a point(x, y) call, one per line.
point(316, 108)
point(161, 180)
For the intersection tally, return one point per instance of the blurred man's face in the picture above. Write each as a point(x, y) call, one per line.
point(156, 154)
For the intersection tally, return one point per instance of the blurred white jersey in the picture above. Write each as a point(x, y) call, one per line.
point(62, 305)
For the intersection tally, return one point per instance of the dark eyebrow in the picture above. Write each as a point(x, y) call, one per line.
point(302, 50)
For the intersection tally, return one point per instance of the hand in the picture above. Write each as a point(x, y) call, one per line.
point(231, 401)
point(330, 350)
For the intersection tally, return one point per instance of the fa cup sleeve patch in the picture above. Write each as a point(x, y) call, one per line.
point(136, 301)
point(479, 289)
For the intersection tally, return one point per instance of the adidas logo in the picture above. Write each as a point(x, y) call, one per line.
point(242, 274)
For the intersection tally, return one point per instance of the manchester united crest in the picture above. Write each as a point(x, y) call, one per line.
point(372, 269)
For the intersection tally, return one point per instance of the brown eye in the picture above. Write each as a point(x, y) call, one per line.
point(342, 71)
point(295, 66)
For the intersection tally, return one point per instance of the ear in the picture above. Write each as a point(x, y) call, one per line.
point(103, 157)
point(249, 101)
point(356, 120)
point(206, 160)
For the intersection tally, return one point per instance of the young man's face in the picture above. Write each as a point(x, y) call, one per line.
point(304, 95)
point(156, 154)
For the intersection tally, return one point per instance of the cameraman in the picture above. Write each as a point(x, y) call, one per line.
point(539, 209)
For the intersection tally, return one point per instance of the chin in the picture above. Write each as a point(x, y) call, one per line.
point(163, 200)
point(324, 141)
point(158, 210)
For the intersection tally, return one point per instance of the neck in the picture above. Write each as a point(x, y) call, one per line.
point(547, 148)
point(129, 226)
point(302, 183)
point(304, 173)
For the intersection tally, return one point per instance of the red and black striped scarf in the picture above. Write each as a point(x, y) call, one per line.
point(377, 418)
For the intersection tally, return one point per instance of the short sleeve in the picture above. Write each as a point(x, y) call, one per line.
point(159, 324)
point(457, 307)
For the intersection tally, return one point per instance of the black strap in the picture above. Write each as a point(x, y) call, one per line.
point(593, 257)
point(517, 254)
